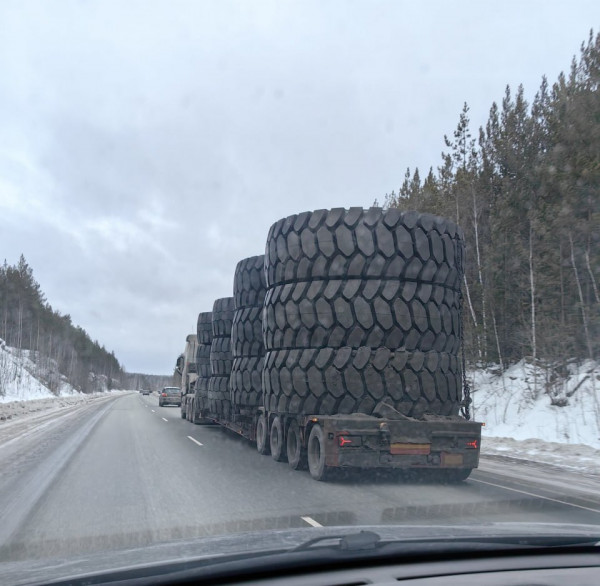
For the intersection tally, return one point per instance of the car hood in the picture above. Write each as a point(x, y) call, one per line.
point(206, 551)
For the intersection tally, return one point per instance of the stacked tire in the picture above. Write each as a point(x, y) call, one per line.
point(249, 289)
point(363, 308)
point(204, 334)
point(219, 397)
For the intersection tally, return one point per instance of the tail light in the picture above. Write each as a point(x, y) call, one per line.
point(472, 444)
point(349, 441)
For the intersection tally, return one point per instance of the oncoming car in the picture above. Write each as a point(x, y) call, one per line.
point(170, 396)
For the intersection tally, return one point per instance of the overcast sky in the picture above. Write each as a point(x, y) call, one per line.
point(146, 147)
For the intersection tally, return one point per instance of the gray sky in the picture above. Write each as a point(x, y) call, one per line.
point(146, 147)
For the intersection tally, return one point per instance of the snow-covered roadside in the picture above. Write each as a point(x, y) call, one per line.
point(575, 457)
point(519, 404)
point(521, 421)
point(23, 395)
point(19, 410)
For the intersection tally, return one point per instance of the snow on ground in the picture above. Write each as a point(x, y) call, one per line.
point(530, 416)
point(22, 394)
point(18, 381)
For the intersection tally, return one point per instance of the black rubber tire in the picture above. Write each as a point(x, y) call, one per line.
point(247, 332)
point(204, 327)
point(219, 397)
point(359, 243)
point(276, 440)
point(222, 317)
point(296, 454)
point(315, 453)
point(221, 359)
point(183, 413)
point(262, 436)
point(249, 285)
point(328, 381)
point(355, 312)
point(246, 381)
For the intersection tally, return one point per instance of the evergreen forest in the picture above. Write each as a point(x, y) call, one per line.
point(525, 188)
point(55, 345)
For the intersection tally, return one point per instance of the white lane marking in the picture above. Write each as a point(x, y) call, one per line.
point(195, 441)
point(164, 419)
point(538, 496)
point(311, 521)
point(153, 411)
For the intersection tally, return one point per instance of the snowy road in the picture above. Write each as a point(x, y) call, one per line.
point(125, 473)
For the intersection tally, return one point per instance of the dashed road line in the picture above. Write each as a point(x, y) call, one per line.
point(538, 496)
point(164, 419)
point(195, 441)
point(153, 411)
point(311, 521)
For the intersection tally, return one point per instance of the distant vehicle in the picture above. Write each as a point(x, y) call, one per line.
point(145, 392)
point(170, 396)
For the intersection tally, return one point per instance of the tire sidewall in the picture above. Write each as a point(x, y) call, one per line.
point(276, 440)
point(316, 453)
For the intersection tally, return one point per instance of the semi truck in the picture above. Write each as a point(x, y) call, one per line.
point(186, 366)
point(345, 343)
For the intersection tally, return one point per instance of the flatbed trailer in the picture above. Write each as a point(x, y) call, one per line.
point(444, 447)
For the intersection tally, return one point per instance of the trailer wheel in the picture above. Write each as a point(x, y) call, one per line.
point(262, 435)
point(182, 412)
point(295, 453)
point(316, 454)
point(276, 437)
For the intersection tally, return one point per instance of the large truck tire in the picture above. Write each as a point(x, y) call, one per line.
point(247, 332)
point(203, 360)
point(221, 359)
point(262, 435)
point(246, 381)
point(219, 397)
point(276, 440)
point(247, 346)
point(346, 380)
point(369, 244)
point(362, 312)
point(222, 317)
point(204, 327)
point(249, 285)
point(315, 454)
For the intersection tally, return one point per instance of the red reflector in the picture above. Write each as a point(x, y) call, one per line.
point(344, 441)
point(473, 444)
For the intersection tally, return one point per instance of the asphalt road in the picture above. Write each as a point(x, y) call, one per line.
point(126, 473)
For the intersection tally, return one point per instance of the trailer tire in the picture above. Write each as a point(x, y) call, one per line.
point(182, 412)
point(222, 317)
point(262, 436)
point(375, 313)
point(204, 327)
point(316, 454)
point(278, 452)
point(249, 282)
point(358, 243)
point(296, 454)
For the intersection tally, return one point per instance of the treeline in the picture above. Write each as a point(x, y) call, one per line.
point(153, 382)
point(526, 191)
point(55, 345)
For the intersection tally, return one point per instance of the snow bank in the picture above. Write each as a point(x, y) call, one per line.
point(525, 403)
point(21, 379)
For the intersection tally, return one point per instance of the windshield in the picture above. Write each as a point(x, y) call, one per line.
point(349, 251)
